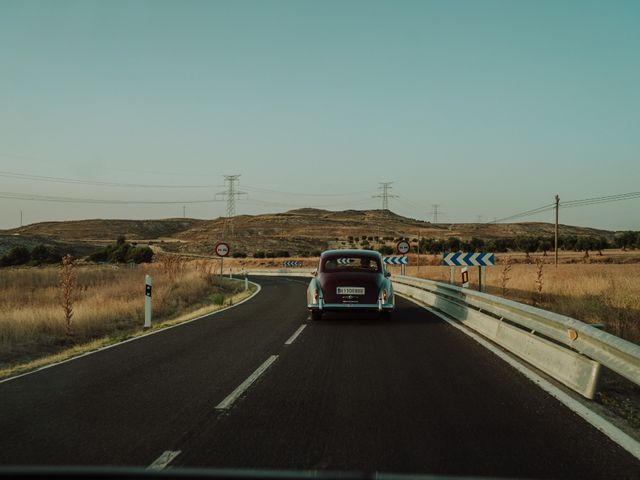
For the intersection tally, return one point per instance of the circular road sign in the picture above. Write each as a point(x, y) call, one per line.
point(222, 249)
point(402, 247)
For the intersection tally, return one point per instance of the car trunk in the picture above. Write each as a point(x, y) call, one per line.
point(371, 283)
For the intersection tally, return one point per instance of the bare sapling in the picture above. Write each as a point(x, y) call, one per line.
point(67, 279)
point(504, 277)
point(539, 281)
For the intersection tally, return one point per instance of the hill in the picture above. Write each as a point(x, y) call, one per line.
point(295, 231)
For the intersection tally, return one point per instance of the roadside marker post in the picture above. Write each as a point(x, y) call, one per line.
point(465, 277)
point(246, 284)
point(147, 302)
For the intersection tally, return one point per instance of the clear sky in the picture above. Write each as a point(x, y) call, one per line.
point(487, 108)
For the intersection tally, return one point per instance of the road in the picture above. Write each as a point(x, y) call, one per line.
point(413, 395)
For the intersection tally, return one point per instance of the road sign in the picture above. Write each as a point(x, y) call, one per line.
point(222, 249)
point(402, 247)
point(460, 259)
point(291, 263)
point(344, 261)
point(401, 260)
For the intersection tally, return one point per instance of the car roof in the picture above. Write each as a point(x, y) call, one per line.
point(363, 253)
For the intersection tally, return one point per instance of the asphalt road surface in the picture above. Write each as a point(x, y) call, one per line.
point(413, 395)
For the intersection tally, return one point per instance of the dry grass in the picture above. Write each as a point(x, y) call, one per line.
point(108, 300)
point(593, 293)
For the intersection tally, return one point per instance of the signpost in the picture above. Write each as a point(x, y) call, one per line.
point(402, 248)
point(464, 259)
point(222, 250)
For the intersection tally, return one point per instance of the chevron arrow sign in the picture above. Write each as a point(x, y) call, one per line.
point(344, 261)
point(291, 263)
point(396, 260)
point(461, 259)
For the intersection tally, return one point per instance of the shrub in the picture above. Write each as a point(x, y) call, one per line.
point(259, 255)
point(239, 255)
point(18, 255)
point(41, 254)
point(140, 255)
point(122, 252)
point(218, 299)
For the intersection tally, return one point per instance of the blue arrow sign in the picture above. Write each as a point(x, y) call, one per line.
point(396, 260)
point(461, 259)
point(291, 263)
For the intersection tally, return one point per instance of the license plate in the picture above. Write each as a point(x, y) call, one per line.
point(350, 291)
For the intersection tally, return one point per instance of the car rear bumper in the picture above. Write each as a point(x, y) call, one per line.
point(333, 307)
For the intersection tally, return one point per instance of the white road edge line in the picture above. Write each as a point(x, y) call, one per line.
point(139, 337)
point(293, 337)
point(163, 460)
point(627, 442)
point(233, 396)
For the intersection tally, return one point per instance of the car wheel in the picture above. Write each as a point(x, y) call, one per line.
point(316, 315)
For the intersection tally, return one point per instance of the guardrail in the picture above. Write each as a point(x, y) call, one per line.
point(565, 348)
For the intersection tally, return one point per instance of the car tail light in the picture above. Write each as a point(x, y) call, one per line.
point(384, 295)
point(315, 296)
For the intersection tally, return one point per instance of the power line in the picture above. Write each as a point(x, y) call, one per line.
point(385, 195)
point(306, 194)
point(53, 198)
point(572, 204)
point(44, 178)
point(599, 200)
point(526, 213)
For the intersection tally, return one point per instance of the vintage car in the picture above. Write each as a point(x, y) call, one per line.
point(350, 280)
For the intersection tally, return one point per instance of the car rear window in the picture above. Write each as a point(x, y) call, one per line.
point(351, 263)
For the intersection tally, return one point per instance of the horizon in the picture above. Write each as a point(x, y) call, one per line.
point(476, 111)
point(222, 218)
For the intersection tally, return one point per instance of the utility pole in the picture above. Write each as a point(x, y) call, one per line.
point(184, 211)
point(556, 233)
point(385, 195)
point(418, 260)
point(20, 217)
point(479, 218)
point(434, 212)
point(231, 193)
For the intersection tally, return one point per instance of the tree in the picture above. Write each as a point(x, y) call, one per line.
point(568, 242)
point(18, 255)
point(476, 244)
point(545, 245)
point(600, 243)
point(584, 244)
point(452, 244)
